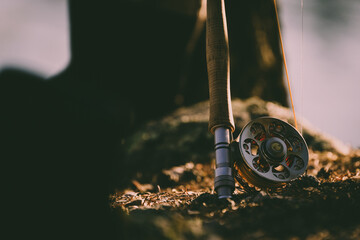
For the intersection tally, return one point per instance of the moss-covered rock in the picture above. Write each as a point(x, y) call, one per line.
point(183, 137)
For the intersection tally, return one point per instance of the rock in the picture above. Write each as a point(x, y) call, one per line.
point(183, 137)
point(178, 151)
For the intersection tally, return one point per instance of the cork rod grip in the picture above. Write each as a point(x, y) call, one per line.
point(218, 66)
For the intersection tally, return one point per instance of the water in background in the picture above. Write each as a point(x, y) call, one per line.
point(329, 95)
point(35, 36)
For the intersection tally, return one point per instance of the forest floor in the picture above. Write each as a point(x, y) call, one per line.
point(177, 201)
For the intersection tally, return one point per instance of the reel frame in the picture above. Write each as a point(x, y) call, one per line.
point(268, 153)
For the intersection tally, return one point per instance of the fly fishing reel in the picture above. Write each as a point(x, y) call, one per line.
point(268, 153)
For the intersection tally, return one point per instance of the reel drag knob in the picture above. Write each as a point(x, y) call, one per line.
point(274, 149)
point(272, 152)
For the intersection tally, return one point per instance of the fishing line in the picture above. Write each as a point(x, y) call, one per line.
point(302, 64)
point(285, 65)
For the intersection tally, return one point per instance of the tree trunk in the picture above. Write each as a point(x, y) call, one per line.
point(142, 59)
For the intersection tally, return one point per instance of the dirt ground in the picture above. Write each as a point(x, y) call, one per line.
point(167, 199)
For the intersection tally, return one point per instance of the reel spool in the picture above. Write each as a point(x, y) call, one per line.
point(269, 153)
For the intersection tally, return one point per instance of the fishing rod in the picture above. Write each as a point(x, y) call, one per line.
point(268, 152)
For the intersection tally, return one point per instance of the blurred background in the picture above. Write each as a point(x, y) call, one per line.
point(35, 35)
point(329, 95)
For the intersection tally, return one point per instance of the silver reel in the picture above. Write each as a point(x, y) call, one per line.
point(269, 152)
